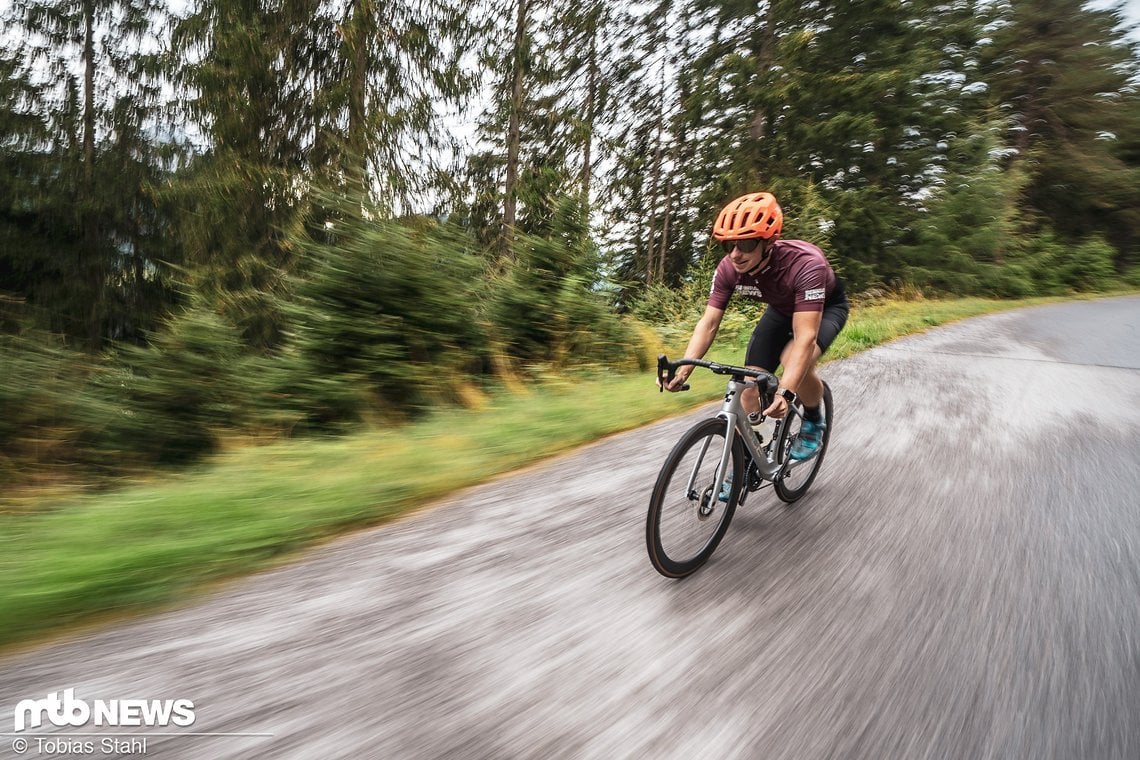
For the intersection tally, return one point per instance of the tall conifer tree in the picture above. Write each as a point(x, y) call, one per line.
point(1070, 78)
point(92, 53)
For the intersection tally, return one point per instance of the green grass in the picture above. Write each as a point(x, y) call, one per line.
point(154, 543)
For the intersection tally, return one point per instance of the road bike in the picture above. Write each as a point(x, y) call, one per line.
point(718, 462)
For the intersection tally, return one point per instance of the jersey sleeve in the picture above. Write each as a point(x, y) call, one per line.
point(811, 288)
point(723, 285)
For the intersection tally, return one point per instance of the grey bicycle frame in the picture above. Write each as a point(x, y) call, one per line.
point(736, 423)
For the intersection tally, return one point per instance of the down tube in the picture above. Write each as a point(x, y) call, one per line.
point(730, 431)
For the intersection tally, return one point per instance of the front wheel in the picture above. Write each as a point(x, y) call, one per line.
point(690, 510)
point(798, 476)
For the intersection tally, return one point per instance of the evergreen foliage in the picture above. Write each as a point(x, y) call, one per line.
point(373, 209)
point(1071, 83)
point(38, 401)
point(544, 308)
point(173, 400)
point(386, 317)
point(80, 88)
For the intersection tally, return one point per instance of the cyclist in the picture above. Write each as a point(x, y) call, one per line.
point(807, 307)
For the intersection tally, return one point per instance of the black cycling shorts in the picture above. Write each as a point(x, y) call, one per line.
point(774, 331)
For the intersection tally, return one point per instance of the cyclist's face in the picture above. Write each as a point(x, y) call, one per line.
point(746, 260)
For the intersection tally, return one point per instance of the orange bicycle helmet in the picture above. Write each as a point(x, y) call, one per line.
point(756, 215)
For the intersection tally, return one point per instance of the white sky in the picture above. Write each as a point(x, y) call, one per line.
point(1131, 9)
point(1131, 12)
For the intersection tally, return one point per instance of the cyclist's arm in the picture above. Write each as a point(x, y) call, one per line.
point(807, 316)
point(801, 351)
point(703, 335)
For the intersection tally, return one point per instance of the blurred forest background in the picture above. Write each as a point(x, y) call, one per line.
point(261, 218)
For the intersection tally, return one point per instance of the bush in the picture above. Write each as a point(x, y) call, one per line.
point(385, 320)
point(1132, 276)
point(680, 307)
point(958, 282)
point(38, 403)
point(545, 307)
point(168, 403)
point(1009, 281)
point(287, 398)
point(1041, 259)
point(1088, 267)
point(659, 304)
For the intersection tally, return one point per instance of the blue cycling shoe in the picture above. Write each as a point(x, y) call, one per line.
point(808, 441)
point(725, 489)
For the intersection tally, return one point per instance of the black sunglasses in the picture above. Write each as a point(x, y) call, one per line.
point(745, 246)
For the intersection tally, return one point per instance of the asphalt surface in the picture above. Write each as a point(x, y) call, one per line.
point(962, 581)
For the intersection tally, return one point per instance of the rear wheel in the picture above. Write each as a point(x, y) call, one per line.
point(688, 515)
point(798, 476)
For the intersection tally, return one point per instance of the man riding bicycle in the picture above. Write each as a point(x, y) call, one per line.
point(807, 307)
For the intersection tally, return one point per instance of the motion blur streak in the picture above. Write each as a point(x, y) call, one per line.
point(961, 582)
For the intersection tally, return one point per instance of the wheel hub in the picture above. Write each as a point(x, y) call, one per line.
point(707, 503)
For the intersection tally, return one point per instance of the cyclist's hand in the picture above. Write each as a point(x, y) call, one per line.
point(777, 409)
point(682, 376)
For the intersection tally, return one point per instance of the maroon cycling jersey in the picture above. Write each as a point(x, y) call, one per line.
point(797, 278)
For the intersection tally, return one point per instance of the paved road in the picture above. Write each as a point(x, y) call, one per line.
point(962, 582)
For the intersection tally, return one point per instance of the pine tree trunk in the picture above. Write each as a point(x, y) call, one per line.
point(92, 265)
point(362, 22)
point(88, 97)
point(654, 194)
point(664, 247)
point(588, 141)
point(513, 131)
point(651, 235)
point(765, 58)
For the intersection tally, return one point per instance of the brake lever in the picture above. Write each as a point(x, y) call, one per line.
point(663, 378)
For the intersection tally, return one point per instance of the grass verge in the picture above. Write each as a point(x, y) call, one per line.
point(153, 543)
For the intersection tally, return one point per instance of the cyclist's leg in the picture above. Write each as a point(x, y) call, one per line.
point(811, 387)
point(772, 333)
point(834, 318)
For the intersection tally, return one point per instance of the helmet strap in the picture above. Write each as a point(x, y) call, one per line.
point(763, 263)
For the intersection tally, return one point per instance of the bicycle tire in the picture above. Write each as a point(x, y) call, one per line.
point(675, 510)
point(787, 492)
